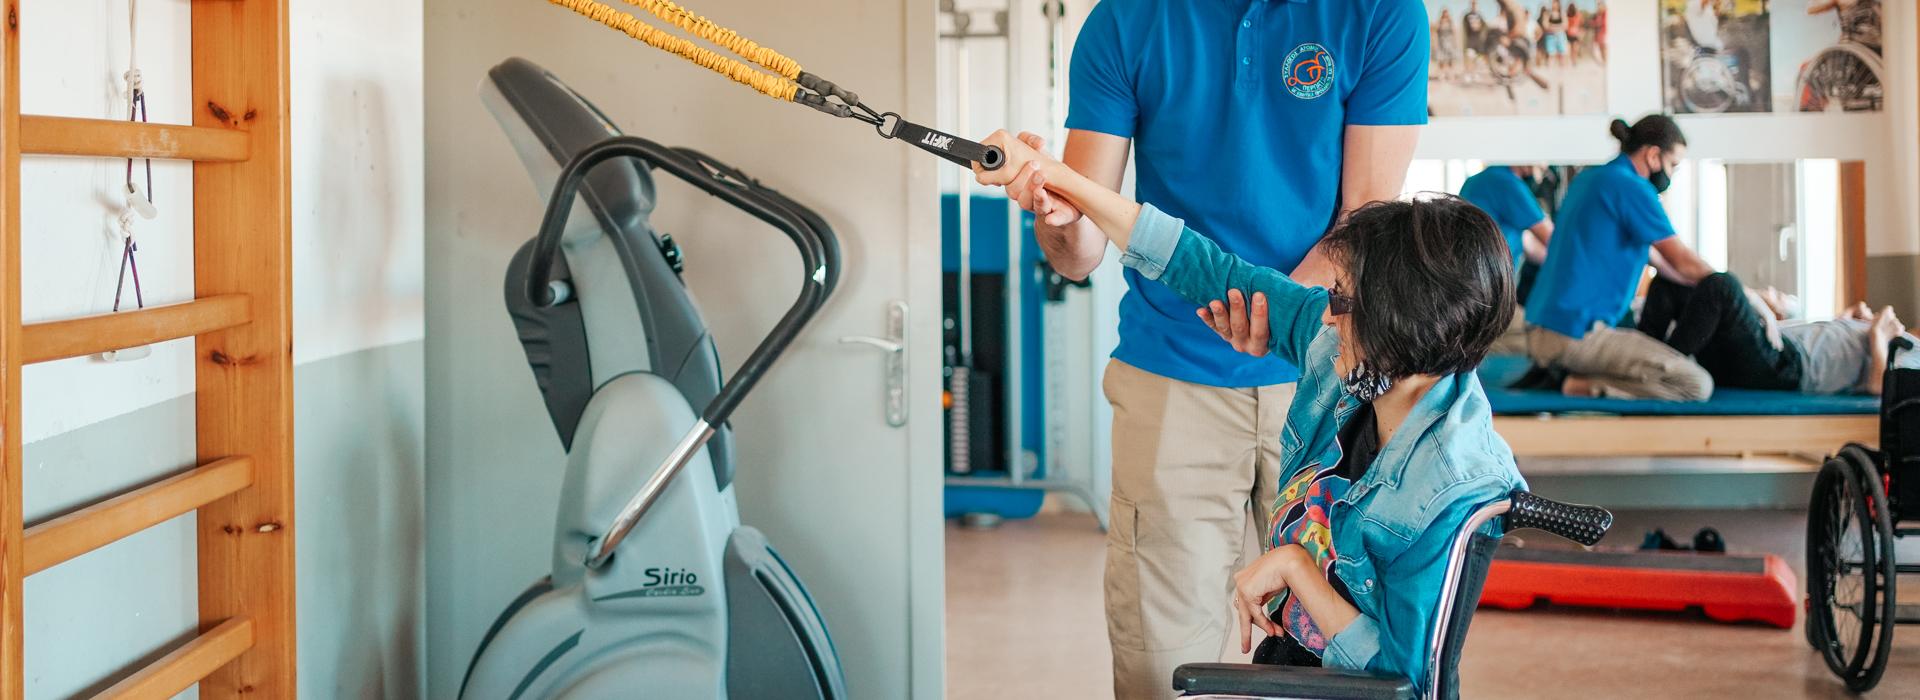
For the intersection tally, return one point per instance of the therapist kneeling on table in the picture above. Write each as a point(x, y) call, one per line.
point(1388, 446)
point(1609, 228)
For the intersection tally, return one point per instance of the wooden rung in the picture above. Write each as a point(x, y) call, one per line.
point(60, 539)
point(185, 666)
point(69, 136)
point(58, 340)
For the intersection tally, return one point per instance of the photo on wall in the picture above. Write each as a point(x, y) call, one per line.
point(1715, 56)
point(1829, 56)
point(1517, 57)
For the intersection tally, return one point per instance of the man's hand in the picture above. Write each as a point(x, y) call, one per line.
point(1242, 325)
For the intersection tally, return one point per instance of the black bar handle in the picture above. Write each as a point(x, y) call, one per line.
point(961, 151)
point(829, 243)
point(1582, 524)
point(814, 257)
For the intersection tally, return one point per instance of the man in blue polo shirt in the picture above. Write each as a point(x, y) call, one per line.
point(1259, 122)
point(1502, 192)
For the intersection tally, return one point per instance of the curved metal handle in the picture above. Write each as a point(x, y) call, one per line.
point(637, 506)
point(818, 258)
point(894, 390)
point(881, 343)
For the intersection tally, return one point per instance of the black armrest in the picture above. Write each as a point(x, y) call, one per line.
point(1289, 682)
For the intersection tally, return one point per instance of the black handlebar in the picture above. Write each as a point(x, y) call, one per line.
point(819, 251)
point(1582, 524)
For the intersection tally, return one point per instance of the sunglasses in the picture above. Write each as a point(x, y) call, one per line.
point(1339, 304)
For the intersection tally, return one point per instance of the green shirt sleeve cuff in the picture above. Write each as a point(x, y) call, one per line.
point(1355, 646)
point(1155, 236)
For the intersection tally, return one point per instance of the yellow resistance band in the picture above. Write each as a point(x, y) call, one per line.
point(780, 86)
point(787, 83)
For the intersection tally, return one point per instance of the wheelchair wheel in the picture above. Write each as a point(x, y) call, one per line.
point(1850, 569)
point(1841, 78)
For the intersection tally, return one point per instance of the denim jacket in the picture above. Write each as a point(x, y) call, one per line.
point(1393, 528)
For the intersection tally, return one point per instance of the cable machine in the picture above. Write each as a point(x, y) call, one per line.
point(1003, 316)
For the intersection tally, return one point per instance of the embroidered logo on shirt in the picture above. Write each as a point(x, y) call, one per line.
point(1309, 69)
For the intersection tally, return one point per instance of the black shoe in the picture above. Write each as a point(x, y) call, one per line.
point(1708, 540)
point(1541, 379)
point(1657, 539)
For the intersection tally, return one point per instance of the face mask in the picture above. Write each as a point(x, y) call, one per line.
point(1660, 179)
point(1366, 384)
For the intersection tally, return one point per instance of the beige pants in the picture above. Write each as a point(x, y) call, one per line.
point(1194, 467)
point(1623, 363)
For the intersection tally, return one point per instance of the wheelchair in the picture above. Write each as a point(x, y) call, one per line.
point(1853, 521)
point(1468, 560)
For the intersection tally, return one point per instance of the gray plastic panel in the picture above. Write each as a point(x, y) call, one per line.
point(772, 621)
point(548, 124)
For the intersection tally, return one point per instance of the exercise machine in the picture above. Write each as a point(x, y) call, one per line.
point(656, 588)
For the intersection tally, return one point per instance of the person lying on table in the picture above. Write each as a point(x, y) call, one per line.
point(1743, 344)
point(1388, 446)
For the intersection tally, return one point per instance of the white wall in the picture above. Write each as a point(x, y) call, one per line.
point(356, 191)
point(358, 211)
point(1886, 141)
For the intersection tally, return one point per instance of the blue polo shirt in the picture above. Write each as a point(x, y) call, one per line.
point(1506, 198)
point(1237, 110)
point(1610, 217)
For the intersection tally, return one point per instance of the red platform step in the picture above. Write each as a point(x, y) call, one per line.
point(1727, 587)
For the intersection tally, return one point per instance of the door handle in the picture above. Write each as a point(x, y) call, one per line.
point(894, 397)
point(883, 344)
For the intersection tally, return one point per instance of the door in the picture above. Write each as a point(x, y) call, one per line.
point(1763, 235)
point(849, 500)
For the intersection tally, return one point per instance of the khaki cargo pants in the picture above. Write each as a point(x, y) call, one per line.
point(1195, 469)
point(1623, 363)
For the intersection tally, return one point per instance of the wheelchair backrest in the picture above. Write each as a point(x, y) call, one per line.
point(1900, 423)
point(1471, 557)
point(1459, 615)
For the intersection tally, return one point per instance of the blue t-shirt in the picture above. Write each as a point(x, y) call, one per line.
point(1599, 250)
point(1238, 110)
point(1506, 198)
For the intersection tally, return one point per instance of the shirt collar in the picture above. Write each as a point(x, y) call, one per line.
point(1390, 465)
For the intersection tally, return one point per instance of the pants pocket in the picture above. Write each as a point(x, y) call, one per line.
point(1124, 625)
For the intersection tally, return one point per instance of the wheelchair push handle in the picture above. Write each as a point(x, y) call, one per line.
point(1582, 524)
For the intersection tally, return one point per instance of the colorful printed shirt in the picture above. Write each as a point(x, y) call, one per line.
point(1302, 518)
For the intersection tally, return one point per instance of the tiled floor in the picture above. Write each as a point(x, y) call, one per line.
point(1024, 620)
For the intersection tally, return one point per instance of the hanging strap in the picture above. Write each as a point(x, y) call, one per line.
point(787, 82)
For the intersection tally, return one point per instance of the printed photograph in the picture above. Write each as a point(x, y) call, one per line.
point(1517, 57)
point(1829, 52)
point(1715, 56)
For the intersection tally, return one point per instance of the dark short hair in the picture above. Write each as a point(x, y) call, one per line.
point(1657, 130)
point(1432, 283)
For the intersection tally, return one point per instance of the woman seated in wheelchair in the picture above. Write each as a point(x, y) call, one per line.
point(1389, 443)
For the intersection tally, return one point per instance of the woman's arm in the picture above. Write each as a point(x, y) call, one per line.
point(1330, 612)
point(1162, 248)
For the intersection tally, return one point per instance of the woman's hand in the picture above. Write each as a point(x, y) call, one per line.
point(1031, 192)
point(1022, 161)
point(1242, 325)
point(1253, 586)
